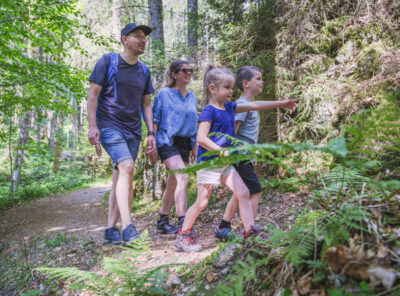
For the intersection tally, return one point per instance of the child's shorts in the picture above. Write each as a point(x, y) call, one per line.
point(249, 177)
point(205, 176)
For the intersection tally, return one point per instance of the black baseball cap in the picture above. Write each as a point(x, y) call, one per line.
point(132, 26)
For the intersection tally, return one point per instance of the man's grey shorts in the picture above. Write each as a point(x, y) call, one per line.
point(119, 146)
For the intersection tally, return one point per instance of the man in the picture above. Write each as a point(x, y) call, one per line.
point(114, 114)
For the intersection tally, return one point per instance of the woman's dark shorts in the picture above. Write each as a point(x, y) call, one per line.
point(181, 146)
point(249, 177)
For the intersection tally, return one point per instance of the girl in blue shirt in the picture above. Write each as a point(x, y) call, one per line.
point(219, 116)
point(175, 125)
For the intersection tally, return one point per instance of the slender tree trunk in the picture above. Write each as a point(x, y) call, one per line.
point(19, 159)
point(192, 30)
point(53, 121)
point(157, 36)
point(74, 130)
point(38, 124)
point(80, 123)
point(116, 18)
point(58, 144)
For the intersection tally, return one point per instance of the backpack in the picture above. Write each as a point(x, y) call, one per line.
point(112, 72)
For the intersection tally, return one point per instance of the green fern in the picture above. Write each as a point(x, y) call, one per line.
point(124, 278)
point(265, 153)
point(245, 271)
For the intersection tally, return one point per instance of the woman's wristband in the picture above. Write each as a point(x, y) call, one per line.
point(150, 133)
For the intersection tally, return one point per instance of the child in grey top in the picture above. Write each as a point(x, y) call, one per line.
point(247, 125)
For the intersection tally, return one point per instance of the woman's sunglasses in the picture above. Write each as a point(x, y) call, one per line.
point(186, 71)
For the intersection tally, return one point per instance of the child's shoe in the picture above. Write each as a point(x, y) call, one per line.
point(226, 234)
point(255, 230)
point(186, 241)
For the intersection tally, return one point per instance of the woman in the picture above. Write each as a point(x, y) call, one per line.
point(175, 126)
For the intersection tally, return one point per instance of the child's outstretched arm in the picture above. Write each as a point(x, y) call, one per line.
point(265, 105)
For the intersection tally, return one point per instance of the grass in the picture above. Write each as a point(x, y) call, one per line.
point(40, 182)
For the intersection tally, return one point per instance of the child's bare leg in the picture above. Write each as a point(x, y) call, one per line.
point(203, 195)
point(241, 193)
point(255, 198)
point(233, 206)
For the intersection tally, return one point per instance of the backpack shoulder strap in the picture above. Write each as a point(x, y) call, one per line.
point(146, 72)
point(112, 71)
point(112, 67)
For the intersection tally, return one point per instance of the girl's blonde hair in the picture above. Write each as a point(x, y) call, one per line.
point(214, 76)
point(174, 67)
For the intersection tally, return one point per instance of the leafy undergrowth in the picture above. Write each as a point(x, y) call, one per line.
point(18, 261)
point(40, 181)
point(347, 242)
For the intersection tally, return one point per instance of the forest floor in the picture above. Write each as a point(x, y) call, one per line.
point(67, 230)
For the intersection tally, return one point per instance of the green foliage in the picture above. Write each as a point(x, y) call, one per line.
point(36, 35)
point(244, 271)
point(123, 277)
point(335, 225)
point(59, 240)
point(291, 184)
point(39, 181)
point(265, 153)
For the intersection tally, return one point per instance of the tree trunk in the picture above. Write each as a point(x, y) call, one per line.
point(38, 123)
point(80, 123)
point(19, 159)
point(58, 147)
point(192, 30)
point(74, 130)
point(157, 37)
point(116, 18)
point(53, 121)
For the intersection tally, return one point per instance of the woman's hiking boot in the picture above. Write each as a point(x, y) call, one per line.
point(186, 241)
point(226, 234)
point(130, 233)
point(164, 227)
point(112, 235)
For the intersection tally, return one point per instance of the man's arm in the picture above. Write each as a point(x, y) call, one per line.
point(93, 96)
point(148, 113)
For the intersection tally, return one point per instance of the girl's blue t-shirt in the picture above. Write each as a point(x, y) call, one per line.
point(222, 121)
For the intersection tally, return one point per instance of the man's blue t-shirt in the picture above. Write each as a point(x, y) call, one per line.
point(222, 121)
point(123, 114)
point(175, 115)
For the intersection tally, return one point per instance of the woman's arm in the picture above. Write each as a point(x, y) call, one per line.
point(265, 105)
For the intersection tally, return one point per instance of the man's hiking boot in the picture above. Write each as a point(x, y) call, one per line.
point(226, 234)
point(254, 231)
point(130, 233)
point(112, 235)
point(164, 227)
point(186, 241)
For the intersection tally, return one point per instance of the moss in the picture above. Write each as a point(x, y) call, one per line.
point(368, 62)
